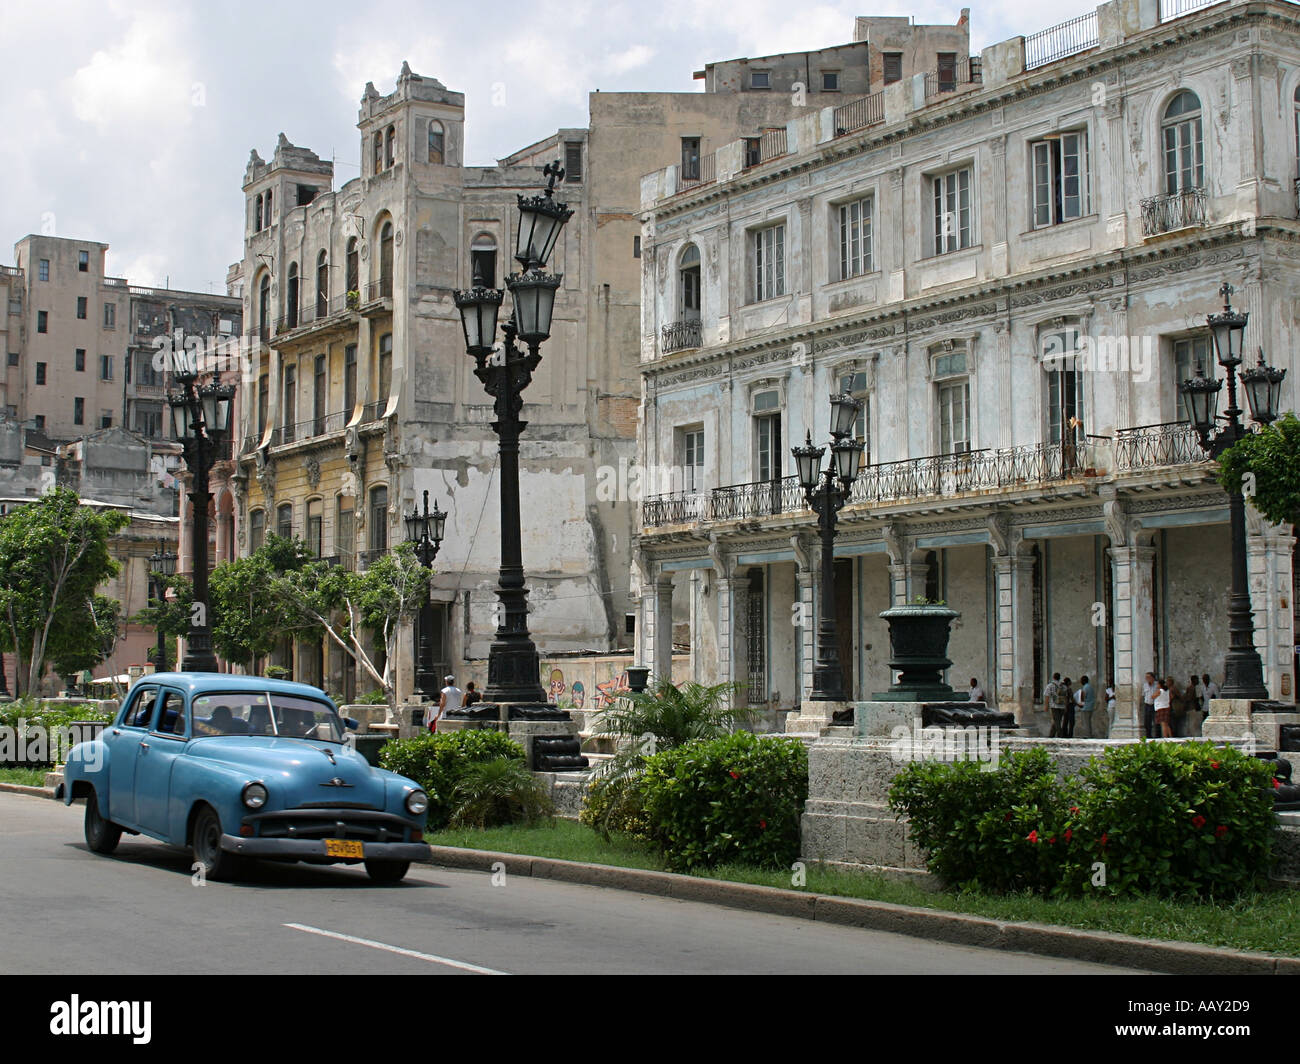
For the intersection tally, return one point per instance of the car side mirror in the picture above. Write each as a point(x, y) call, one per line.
point(352, 724)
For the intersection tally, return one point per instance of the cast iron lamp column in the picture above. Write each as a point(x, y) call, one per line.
point(827, 491)
point(162, 565)
point(200, 422)
point(513, 664)
point(425, 531)
point(1242, 668)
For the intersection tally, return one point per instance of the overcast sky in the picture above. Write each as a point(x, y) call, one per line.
point(131, 122)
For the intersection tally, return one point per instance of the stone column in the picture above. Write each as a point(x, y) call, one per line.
point(722, 592)
point(661, 655)
point(1134, 622)
point(1013, 576)
point(807, 558)
point(1268, 557)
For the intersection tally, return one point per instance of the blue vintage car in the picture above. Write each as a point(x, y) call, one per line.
point(238, 767)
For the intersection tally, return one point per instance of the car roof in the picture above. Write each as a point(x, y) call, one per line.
point(206, 682)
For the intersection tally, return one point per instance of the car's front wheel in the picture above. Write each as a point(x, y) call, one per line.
point(386, 872)
point(206, 846)
point(102, 835)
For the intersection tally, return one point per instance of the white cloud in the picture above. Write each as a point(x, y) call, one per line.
point(621, 62)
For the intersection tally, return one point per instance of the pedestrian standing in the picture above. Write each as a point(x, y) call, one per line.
point(450, 698)
point(1148, 706)
point(976, 691)
point(1086, 701)
point(1209, 692)
point(1111, 706)
point(1162, 706)
point(472, 694)
point(1053, 705)
point(1067, 692)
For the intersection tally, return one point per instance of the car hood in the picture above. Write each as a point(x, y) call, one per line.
point(299, 772)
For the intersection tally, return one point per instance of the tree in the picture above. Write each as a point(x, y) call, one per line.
point(53, 555)
point(247, 617)
point(347, 606)
point(1271, 459)
point(71, 650)
point(170, 617)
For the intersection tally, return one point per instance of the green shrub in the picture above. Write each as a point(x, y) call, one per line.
point(34, 714)
point(994, 830)
point(1158, 818)
point(1173, 818)
point(501, 791)
point(737, 798)
point(372, 698)
point(616, 804)
point(438, 760)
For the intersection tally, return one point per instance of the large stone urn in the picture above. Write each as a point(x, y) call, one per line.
point(918, 648)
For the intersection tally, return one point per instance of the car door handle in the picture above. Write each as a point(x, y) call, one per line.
point(144, 747)
point(116, 731)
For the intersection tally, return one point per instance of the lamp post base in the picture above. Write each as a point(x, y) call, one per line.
point(1243, 676)
point(514, 672)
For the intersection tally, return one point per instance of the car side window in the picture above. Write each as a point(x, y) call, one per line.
point(140, 711)
point(171, 714)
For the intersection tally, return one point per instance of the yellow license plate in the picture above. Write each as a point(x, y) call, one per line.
point(343, 848)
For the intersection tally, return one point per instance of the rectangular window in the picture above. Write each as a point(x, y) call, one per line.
point(148, 420)
point(1190, 354)
point(767, 435)
point(483, 263)
point(636, 247)
point(40, 422)
point(349, 378)
point(573, 160)
point(952, 212)
point(13, 358)
point(110, 316)
point(314, 543)
point(693, 460)
point(263, 398)
point(379, 518)
point(344, 534)
point(83, 261)
point(81, 307)
point(769, 263)
point(753, 151)
point(42, 321)
point(43, 270)
point(256, 529)
point(893, 67)
point(145, 375)
point(947, 71)
point(105, 367)
point(1060, 178)
point(105, 421)
point(760, 79)
point(954, 417)
point(78, 411)
point(855, 238)
point(284, 521)
point(690, 158)
point(319, 395)
point(79, 360)
point(830, 81)
point(40, 372)
point(289, 402)
point(385, 375)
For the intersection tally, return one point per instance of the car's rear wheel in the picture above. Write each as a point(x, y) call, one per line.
point(102, 835)
point(386, 872)
point(206, 846)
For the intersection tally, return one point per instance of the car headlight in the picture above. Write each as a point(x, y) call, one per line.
point(254, 796)
point(417, 803)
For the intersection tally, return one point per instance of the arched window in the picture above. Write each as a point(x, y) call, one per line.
point(322, 285)
point(386, 260)
point(688, 277)
point(257, 214)
point(483, 260)
point(436, 141)
point(284, 520)
point(264, 306)
point(266, 214)
point(390, 146)
point(1183, 146)
point(256, 529)
point(353, 270)
point(291, 298)
point(379, 152)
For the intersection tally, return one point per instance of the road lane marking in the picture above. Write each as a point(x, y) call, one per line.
point(433, 958)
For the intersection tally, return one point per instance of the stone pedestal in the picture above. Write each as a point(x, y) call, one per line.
point(812, 719)
point(525, 723)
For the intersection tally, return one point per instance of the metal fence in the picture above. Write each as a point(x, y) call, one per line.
point(1178, 210)
point(858, 114)
point(965, 71)
point(772, 144)
point(1175, 8)
point(681, 335)
point(1167, 444)
point(1066, 39)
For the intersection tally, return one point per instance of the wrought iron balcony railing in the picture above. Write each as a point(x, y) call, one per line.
point(305, 430)
point(858, 114)
point(380, 289)
point(1169, 444)
point(1065, 39)
point(1177, 210)
point(964, 71)
point(681, 335)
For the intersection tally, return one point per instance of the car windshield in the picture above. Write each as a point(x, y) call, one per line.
point(265, 713)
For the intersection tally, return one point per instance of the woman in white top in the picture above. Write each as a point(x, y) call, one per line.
point(1110, 705)
point(1162, 702)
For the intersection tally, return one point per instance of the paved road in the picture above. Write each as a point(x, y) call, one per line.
point(67, 910)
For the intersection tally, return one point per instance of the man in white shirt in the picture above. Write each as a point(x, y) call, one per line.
point(1148, 706)
point(449, 698)
point(976, 691)
point(1209, 691)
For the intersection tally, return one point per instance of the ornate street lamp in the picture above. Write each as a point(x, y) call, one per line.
point(827, 491)
point(162, 565)
point(1243, 670)
point(200, 421)
point(513, 666)
point(425, 531)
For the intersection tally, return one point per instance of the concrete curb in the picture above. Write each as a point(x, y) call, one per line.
point(22, 788)
point(1125, 951)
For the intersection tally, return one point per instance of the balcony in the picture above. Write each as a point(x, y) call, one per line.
point(1062, 40)
point(1151, 446)
point(705, 171)
point(859, 114)
point(1177, 210)
point(306, 430)
point(682, 335)
point(947, 79)
point(381, 289)
point(318, 314)
point(373, 411)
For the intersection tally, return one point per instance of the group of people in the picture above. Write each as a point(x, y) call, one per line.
point(1169, 711)
point(452, 697)
point(1073, 707)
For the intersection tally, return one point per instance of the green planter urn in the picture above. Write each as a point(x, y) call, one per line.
point(918, 648)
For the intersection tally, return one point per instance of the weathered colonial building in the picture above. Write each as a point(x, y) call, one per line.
point(359, 396)
point(1010, 262)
